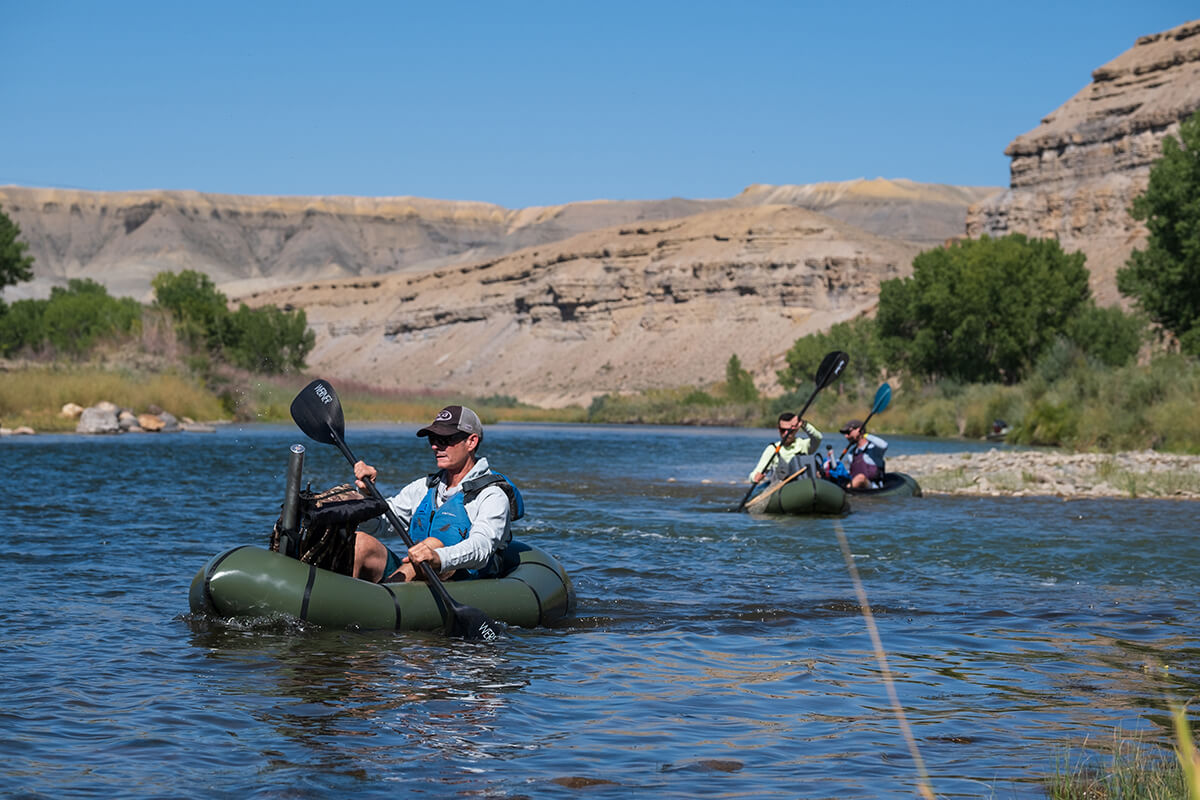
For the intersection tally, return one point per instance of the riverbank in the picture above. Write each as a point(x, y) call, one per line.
point(1022, 473)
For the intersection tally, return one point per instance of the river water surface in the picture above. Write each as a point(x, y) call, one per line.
point(713, 654)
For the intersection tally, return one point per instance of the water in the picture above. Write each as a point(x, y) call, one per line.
point(712, 655)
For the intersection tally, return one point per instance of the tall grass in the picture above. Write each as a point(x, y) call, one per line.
point(1078, 406)
point(34, 396)
point(1132, 769)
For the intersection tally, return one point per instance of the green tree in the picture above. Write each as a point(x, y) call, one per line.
point(15, 266)
point(75, 317)
point(981, 310)
point(70, 321)
point(1164, 279)
point(739, 385)
point(856, 338)
point(268, 339)
point(199, 309)
point(21, 326)
point(1108, 336)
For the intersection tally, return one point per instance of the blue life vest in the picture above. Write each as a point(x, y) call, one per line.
point(450, 523)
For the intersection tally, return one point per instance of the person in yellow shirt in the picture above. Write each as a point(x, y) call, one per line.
point(779, 459)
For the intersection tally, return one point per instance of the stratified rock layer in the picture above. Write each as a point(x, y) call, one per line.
point(655, 304)
point(1074, 177)
point(245, 244)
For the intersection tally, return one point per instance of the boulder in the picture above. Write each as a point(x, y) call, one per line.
point(100, 418)
point(71, 411)
point(150, 422)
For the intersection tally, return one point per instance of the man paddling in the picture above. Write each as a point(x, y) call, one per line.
point(866, 455)
point(780, 459)
point(458, 518)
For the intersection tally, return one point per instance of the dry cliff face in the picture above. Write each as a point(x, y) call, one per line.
point(1074, 177)
point(122, 239)
point(653, 304)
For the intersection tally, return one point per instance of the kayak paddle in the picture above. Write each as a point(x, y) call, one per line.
point(318, 412)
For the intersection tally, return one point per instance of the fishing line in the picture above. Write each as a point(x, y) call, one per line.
point(881, 657)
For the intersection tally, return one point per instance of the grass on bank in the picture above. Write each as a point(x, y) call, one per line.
point(1074, 405)
point(33, 396)
point(1132, 770)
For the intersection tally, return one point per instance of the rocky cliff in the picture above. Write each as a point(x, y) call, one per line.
point(1075, 175)
point(122, 239)
point(648, 304)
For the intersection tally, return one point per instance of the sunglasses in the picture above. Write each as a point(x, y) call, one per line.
point(442, 442)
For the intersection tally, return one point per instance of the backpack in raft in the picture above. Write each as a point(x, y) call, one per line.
point(324, 536)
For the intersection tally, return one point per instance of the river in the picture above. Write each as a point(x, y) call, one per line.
point(712, 654)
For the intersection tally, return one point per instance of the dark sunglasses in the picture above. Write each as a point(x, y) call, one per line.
point(442, 442)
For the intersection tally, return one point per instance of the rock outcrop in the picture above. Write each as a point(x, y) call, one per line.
point(1074, 176)
point(650, 304)
point(246, 244)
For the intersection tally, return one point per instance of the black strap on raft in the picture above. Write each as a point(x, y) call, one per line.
point(328, 520)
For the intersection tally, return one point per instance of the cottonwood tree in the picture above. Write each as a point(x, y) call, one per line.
point(1164, 278)
point(15, 265)
point(981, 310)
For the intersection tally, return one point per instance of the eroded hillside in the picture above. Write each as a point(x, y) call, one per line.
point(649, 304)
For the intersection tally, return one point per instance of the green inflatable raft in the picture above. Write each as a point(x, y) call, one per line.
point(806, 495)
point(895, 484)
point(249, 581)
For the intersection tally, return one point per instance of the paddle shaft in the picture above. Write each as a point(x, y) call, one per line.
point(754, 485)
point(778, 486)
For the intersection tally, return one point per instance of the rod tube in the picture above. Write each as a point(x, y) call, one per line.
point(291, 500)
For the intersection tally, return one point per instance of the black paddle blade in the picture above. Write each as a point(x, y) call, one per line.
point(318, 412)
point(831, 367)
point(472, 624)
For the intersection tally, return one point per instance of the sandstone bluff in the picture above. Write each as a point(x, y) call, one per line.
point(650, 305)
point(1074, 176)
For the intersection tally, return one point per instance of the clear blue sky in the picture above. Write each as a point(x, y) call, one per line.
point(537, 103)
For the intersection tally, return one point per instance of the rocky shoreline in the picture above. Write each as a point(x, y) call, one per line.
point(106, 418)
point(1020, 473)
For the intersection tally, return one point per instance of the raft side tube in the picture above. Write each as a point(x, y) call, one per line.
point(253, 582)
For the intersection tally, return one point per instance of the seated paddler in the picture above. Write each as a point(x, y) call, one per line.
point(458, 517)
point(782, 458)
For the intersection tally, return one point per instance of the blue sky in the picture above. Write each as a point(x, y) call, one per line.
point(537, 103)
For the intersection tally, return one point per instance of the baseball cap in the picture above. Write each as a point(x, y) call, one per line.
point(451, 420)
point(852, 424)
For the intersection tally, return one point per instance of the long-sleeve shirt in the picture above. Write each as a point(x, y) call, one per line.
point(488, 511)
point(801, 445)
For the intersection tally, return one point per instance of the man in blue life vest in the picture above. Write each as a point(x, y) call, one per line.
point(866, 456)
point(781, 459)
point(458, 518)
